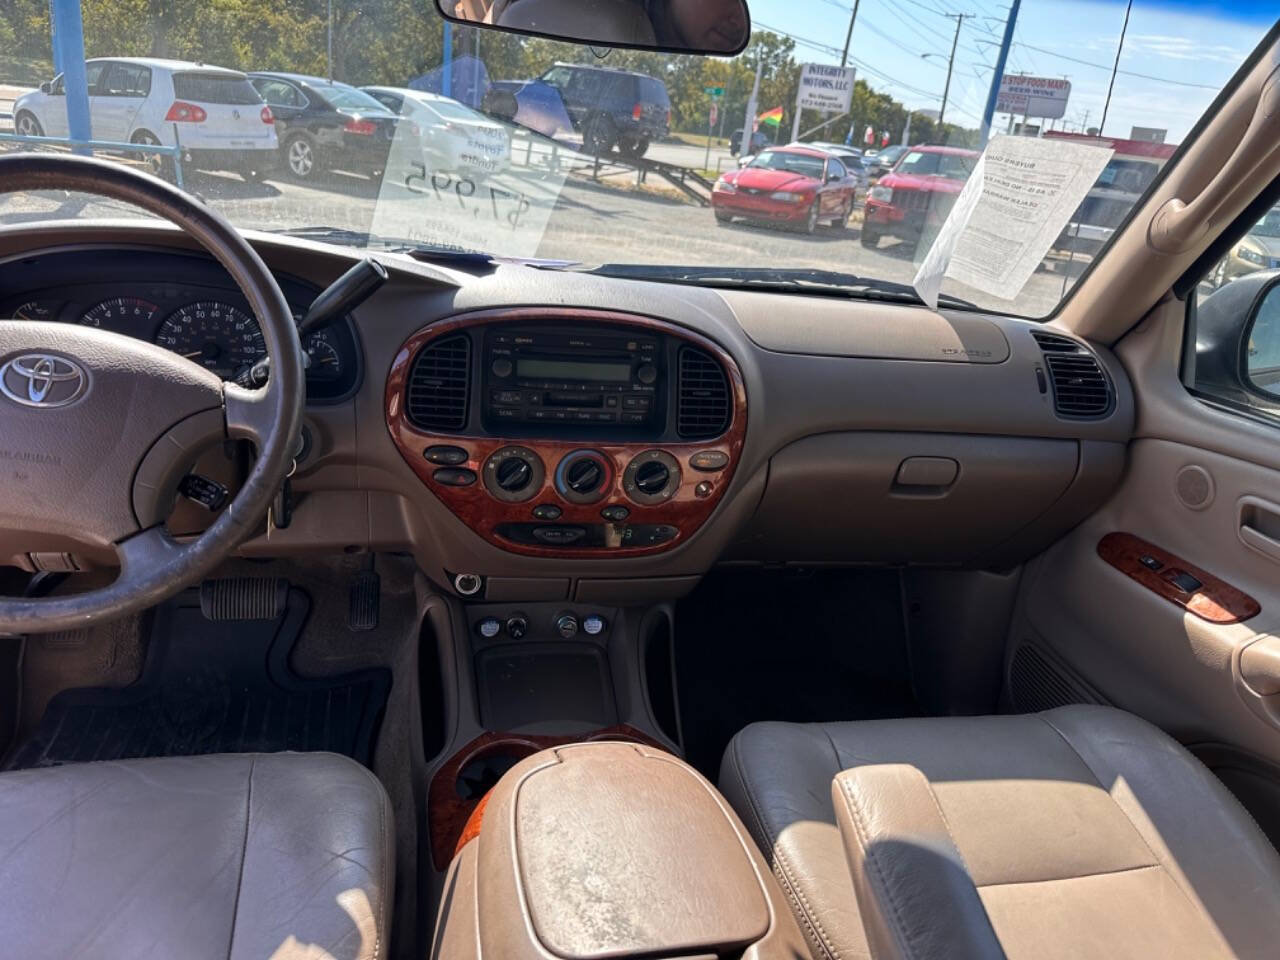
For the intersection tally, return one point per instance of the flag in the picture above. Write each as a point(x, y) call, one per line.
point(870, 136)
point(771, 117)
point(884, 138)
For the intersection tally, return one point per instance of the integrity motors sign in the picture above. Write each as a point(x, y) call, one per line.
point(1044, 97)
point(824, 87)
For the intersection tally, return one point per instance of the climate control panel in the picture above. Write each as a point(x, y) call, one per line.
point(573, 491)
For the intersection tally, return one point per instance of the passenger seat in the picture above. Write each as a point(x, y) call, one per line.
point(1079, 833)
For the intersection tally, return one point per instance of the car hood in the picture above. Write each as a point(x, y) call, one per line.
point(1270, 246)
point(758, 178)
point(932, 183)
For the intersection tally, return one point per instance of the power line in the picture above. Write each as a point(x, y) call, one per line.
point(1128, 73)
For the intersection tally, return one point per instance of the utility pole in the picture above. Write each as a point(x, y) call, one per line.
point(848, 37)
point(329, 48)
point(959, 18)
point(749, 124)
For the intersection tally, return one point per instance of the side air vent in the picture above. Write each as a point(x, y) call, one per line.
point(1037, 684)
point(1080, 388)
point(439, 380)
point(702, 402)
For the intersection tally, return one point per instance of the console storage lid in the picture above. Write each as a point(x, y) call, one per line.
point(609, 850)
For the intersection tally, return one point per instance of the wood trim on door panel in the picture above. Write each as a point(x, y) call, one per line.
point(1215, 601)
point(483, 513)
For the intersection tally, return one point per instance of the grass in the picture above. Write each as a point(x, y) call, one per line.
point(24, 71)
point(700, 140)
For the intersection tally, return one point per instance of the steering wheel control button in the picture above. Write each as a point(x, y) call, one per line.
point(445, 456)
point(547, 511)
point(489, 627)
point(651, 478)
point(593, 625)
point(209, 494)
point(517, 627)
point(616, 513)
point(583, 476)
point(567, 625)
point(514, 474)
point(454, 477)
point(559, 536)
point(708, 461)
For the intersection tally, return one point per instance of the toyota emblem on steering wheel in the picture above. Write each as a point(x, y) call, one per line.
point(43, 380)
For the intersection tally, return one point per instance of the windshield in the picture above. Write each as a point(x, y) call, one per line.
point(802, 163)
point(1032, 138)
point(1268, 226)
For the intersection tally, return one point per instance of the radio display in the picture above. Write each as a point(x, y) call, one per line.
point(532, 368)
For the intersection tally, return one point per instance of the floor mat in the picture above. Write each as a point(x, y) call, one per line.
point(776, 645)
point(213, 686)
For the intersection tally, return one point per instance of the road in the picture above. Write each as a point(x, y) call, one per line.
point(584, 221)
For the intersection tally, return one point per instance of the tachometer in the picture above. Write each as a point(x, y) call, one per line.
point(120, 312)
point(218, 336)
point(324, 360)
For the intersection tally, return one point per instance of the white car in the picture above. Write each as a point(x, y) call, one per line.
point(454, 137)
point(214, 114)
point(851, 157)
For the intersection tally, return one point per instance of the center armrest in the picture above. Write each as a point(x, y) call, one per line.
point(599, 850)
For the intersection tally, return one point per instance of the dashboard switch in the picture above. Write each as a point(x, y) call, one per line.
point(445, 456)
point(1184, 581)
point(708, 461)
point(567, 625)
point(616, 513)
point(559, 536)
point(517, 627)
point(454, 477)
point(207, 493)
point(489, 627)
point(1150, 562)
point(547, 511)
point(593, 625)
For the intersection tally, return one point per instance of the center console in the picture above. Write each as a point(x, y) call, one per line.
point(617, 850)
point(569, 433)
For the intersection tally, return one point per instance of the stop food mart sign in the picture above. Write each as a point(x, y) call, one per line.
point(1044, 97)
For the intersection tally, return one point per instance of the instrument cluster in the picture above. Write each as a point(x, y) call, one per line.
point(208, 323)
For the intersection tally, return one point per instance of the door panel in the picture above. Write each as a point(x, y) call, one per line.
point(1194, 472)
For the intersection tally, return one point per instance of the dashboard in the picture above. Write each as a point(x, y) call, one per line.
point(551, 436)
point(185, 304)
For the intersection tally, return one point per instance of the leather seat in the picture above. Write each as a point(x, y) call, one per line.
point(248, 855)
point(1083, 832)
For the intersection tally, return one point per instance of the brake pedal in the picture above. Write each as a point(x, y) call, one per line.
point(244, 598)
point(366, 593)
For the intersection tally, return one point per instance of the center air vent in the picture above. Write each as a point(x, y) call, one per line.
point(1080, 388)
point(436, 397)
point(702, 402)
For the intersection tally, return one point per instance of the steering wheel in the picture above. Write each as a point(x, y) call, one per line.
point(98, 428)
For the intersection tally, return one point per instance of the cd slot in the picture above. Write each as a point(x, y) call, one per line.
point(582, 400)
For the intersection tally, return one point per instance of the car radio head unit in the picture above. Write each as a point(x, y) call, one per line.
point(549, 375)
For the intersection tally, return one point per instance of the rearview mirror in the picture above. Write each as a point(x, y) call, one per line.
point(1262, 345)
point(717, 27)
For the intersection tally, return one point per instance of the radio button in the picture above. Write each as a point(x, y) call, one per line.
point(502, 367)
point(636, 403)
point(508, 396)
point(647, 373)
point(606, 417)
point(507, 413)
point(610, 401)
point(635, 418)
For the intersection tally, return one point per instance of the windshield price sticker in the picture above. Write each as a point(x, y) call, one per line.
point(1016, 202)
point(493, 198)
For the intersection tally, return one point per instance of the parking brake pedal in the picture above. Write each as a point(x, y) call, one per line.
point(244, 598)
point(366, 590)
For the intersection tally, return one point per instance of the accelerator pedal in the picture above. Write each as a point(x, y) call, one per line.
point(366, 592)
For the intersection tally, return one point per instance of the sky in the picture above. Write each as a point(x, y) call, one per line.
point(1177, 54)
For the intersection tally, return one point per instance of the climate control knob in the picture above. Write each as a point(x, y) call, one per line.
point(513, 474)
point(583, 476)
point(652, 478)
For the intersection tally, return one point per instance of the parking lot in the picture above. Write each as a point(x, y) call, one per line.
point(612, 220)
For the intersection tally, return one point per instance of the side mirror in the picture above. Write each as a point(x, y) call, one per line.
point(743, 161)
point(46, 87)
point(1261, 348)
point(717, 27)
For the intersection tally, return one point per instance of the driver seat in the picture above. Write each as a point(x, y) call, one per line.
point(283, 855)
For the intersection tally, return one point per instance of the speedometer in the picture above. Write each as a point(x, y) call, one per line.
point(218, 336)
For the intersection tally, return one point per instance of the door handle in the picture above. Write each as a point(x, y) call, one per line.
point(1177, 225)
point(1259, 526)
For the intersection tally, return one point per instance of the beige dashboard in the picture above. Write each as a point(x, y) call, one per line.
point(855, 432)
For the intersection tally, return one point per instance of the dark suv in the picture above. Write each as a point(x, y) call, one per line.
point(612, 108)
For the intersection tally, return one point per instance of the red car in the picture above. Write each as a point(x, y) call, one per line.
point(920, 189)
point(796, 186)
